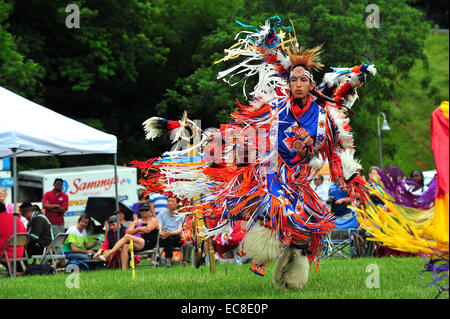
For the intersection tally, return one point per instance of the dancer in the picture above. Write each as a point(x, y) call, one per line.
point(271, 152)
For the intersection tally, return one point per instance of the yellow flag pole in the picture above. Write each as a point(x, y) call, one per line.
point(132, 259)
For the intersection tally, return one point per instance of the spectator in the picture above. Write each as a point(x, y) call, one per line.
point(320, 188)
point(171, 229)
point(39, 228)
point(417, 177)
point(373, 171)
point(143, 232)
point(56, 203)
point(158, 204)
point(125, 223)
point(76, 245)
point(339, 200)
point(111, 237)
point(9, 207)
point(359, 171)
point(7, 230)
point(135, 208)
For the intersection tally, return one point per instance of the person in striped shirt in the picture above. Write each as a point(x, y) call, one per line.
point(158, 204)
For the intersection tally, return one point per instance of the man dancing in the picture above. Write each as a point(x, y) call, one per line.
point(269, 189)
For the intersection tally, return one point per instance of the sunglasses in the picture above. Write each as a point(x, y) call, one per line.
point(58, 183)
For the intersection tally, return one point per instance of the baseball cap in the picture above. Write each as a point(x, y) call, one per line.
point(144, 206)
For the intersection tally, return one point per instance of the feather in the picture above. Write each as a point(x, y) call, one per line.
point(154, 127)
point(350, 165)
point(343, 125)
point(316, 162)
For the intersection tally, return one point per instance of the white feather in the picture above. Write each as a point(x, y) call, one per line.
point(350, 165)
point(372, 70)
point(316, 162)
point(341, 120)
point(150, 128)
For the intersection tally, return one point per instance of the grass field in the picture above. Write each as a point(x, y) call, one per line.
point(336, 279)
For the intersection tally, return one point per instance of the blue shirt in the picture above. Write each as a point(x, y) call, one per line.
point(170, 222)
point(160, 203)
point(341, 209)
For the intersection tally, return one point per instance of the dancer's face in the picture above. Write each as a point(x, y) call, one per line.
point(300, 87)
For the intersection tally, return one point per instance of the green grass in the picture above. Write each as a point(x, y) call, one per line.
point(336, 279)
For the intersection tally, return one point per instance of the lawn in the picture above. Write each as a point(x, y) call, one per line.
point(336, 279)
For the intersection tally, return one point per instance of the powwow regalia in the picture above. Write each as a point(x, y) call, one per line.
point(258, 168)
point(416, 223)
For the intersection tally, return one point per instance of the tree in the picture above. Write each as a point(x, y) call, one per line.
point(347, 41)
point(17, 72)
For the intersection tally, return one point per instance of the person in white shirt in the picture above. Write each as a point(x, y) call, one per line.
point(320, 188)
point(417, 177)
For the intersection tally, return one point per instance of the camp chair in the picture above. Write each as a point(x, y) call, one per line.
point(22, 239)
point(154, 251)
point(52, 251)
point(340, 239)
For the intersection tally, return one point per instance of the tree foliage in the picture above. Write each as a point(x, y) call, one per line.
point(131, 60)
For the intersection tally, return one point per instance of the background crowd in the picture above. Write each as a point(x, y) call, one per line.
point(154, 222)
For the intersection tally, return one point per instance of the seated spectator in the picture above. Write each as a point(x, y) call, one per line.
point(111, 237)
point(39, 228)
point(76, 245)
point(7, 230)
point(339, 199)
point(320, 188)
point(143, 232)
point(171, 229)
point(122, 219)
point(135, 207)
point(419, 187)
point(158, 204)
point(373, 172)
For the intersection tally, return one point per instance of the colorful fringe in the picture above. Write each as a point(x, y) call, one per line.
point(415, 223)
point(235, 189)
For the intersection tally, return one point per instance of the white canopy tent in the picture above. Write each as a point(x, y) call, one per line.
point(28, 129)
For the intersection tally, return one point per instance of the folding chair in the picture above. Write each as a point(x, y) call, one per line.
point(154, 251)
point(52, 251)
point(340, 239)
point(22, 239)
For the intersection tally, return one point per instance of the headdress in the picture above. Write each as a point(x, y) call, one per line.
point(272, 57)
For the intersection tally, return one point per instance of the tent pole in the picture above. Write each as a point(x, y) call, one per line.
point(117, 200)
point(15, 186)
point(116, 183)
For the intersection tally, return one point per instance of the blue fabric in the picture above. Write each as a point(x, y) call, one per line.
point(77, 256)
point(308, 121)
point(170, 222)
point(351, 222)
